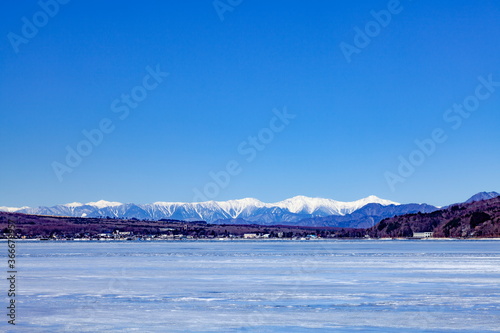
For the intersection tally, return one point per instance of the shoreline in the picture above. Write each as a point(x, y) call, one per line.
point(245, 240)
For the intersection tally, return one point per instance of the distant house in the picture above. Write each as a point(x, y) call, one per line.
point(249, 235)
point(122, 233)
point(422, 234)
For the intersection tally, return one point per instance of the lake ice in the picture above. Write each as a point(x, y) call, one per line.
point(257, 286)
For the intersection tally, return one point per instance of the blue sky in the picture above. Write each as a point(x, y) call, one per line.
point(353, 120)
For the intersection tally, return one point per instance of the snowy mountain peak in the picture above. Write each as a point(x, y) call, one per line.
point(303, 204)
point(375, 199)
point(234, 208)
point(12, 209)
point(483, 196)
point(103, 204)
point(73, 204)
point(242, 202)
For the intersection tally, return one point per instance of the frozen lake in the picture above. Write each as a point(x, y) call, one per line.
point(256, 286)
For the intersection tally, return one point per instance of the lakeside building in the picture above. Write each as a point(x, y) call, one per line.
point(422, 234)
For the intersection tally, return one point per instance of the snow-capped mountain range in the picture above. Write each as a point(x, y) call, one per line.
point(249, 209)
point(299, 210)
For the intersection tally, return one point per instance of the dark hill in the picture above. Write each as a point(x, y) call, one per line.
point(475, 219)
point(61, 227)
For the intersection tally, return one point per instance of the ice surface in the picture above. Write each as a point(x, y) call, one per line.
point(258, 286)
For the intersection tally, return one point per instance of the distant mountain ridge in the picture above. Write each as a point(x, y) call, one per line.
point(249, 209)
point(299, 210)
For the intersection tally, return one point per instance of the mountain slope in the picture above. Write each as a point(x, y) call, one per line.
point(483, 196)
point(475, 219)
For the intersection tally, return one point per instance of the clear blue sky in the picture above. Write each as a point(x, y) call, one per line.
point(353, 120)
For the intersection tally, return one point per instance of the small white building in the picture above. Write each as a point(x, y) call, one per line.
point(422, 234)
point(249, 235)
point(120, 234)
